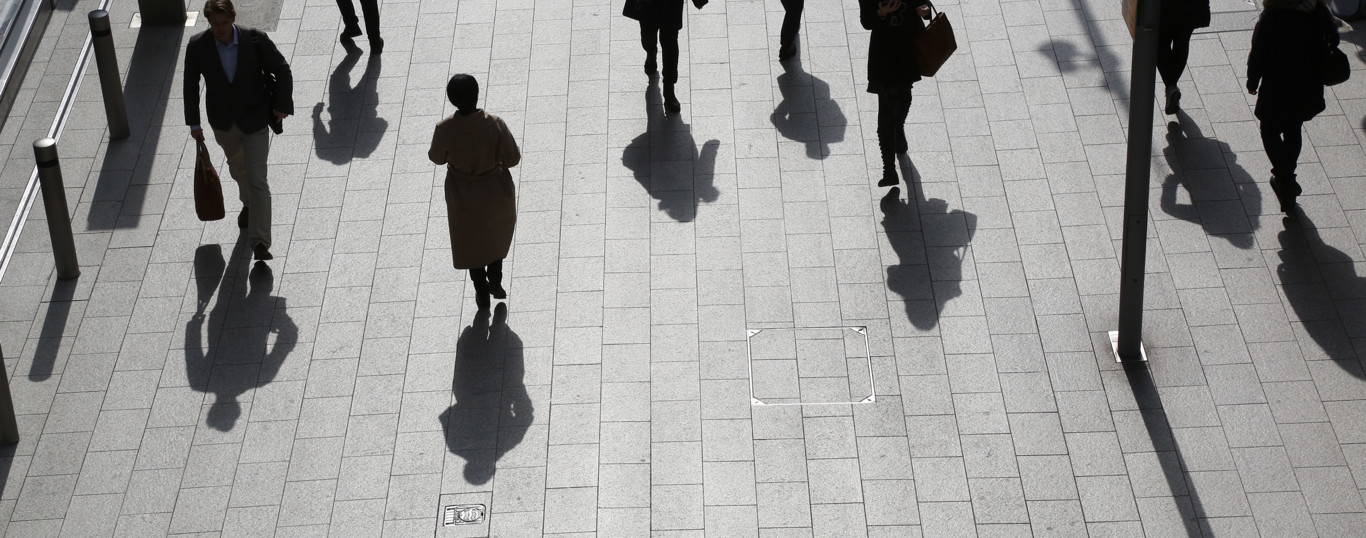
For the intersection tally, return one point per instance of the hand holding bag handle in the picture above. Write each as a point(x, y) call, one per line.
point(935, 44)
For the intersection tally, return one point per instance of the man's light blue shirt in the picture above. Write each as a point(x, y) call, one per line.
point(227, 54)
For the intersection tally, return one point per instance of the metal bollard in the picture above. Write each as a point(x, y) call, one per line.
point(54, 201)
point(9, 427)
point(108, 64)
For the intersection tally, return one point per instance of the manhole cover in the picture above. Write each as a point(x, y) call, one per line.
point(810, 366)
point(464, 514)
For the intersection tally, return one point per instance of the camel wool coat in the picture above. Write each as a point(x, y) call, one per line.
point(481, 202)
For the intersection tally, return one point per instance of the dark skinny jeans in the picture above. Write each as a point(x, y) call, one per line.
point(1282, 141)
point(668, 39)
point(892, 109)
point(1173, 50)
point(483, 276)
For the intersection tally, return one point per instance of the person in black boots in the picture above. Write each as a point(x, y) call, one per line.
point(892, 70)
point(792, 21)
point(661, 20)
point(481, 203)
point(1179, 21)
point(1289, 87)
point(352, 29)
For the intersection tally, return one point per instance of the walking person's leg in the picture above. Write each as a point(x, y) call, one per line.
point(348, 15)
point(256, 147)
point(1173, 51)
point(902, 113)
point(495, 279)
point(668, 40)
point(888, 108)
point(792, 22)
point(479, 277)
point(648, 36)
point(231, 142)
point(371, 10)
point(1282, 142)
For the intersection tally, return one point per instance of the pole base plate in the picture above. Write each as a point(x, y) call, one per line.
point(1114, 348)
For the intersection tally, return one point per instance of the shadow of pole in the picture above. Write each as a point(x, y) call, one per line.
point(1159, 428)
point(126, 172)
point(50, 336)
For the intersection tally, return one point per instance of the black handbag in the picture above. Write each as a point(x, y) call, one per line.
point(638, 9)
point(1336, 69)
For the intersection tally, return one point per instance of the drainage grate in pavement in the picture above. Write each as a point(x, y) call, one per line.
point(810, 366)
point(464, 514)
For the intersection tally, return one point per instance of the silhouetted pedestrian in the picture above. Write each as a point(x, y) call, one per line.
point(1283, 71)
point(792, 21)
point(481, 205)
point(352, 29)
point(892, 69)
point(1179, 21)
point(661, 20)
point(248, 86)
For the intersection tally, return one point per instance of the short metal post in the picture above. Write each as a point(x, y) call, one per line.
point(9, 427)
point(1127, 342)
point(108, 64)
point(54, 201)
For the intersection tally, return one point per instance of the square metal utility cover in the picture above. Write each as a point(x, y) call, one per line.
point(191, 18)
point(462, 515)
point(810, 366)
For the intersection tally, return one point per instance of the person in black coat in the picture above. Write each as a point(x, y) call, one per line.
point(1179, 20)
point(660, 20)
point(1283, 71)
point(892, 70)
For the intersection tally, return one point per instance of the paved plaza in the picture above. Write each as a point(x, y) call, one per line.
point(717, 324)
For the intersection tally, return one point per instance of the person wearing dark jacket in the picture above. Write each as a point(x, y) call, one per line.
point(661, 20)
point(1284, 73)
point(248, 86)
point(1180, 19)
point(892, 70)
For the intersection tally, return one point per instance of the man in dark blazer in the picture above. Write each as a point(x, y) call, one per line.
point(248, 87)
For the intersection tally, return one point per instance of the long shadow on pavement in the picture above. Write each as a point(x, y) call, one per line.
point(1159, 430)
point(354, 128)
point(1323, 288)
point(1219, 205)
point(666, 161)
point(492, 409)
point(239, 355)
point(931, 244)
point(125, 175)
point(798, 116)
point(49, 344)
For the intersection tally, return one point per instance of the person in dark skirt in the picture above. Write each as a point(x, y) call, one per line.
point(1179, 20)
point(1283, 74)
point(792, 21)
point(660, 21)
point(892, 70)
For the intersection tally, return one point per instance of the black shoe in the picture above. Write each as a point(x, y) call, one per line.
point(651, 68)
point(1173, 100)
point(261, 252)
point(889, 177)
point(787, 51)
point(242, 219)
point(481, 299)
point(670, 100)
point(376, 45)
point(497, 291)
point(1286, 192)
point(351, 31)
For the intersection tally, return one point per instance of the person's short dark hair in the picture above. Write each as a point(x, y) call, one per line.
point(220, 7)
point(463, 91)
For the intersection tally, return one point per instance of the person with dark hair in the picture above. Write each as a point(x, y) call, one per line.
point(352, 28)
point(248, 86)
point(892, 70)
point(792, 21)
point(661, 20)
point(481, 204)
point(1179, 21)
point(1283, 71)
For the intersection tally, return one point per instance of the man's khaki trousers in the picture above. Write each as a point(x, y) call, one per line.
point(247, 155)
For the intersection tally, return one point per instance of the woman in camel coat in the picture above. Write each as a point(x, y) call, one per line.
point(481, 204)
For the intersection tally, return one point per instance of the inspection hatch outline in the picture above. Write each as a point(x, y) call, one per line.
point(860, 329)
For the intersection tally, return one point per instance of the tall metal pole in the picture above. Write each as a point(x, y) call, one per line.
point(54, 202)
point(1127, 341)
point(9, 427)
point(108, 64)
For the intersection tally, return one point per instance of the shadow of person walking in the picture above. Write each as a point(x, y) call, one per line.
point(1325, 292)
point(238, 354)
point(931, 244)
point(799, 116)
point(492, 409)
point(666, 161)
point(353, 128)
point(1218, 204)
